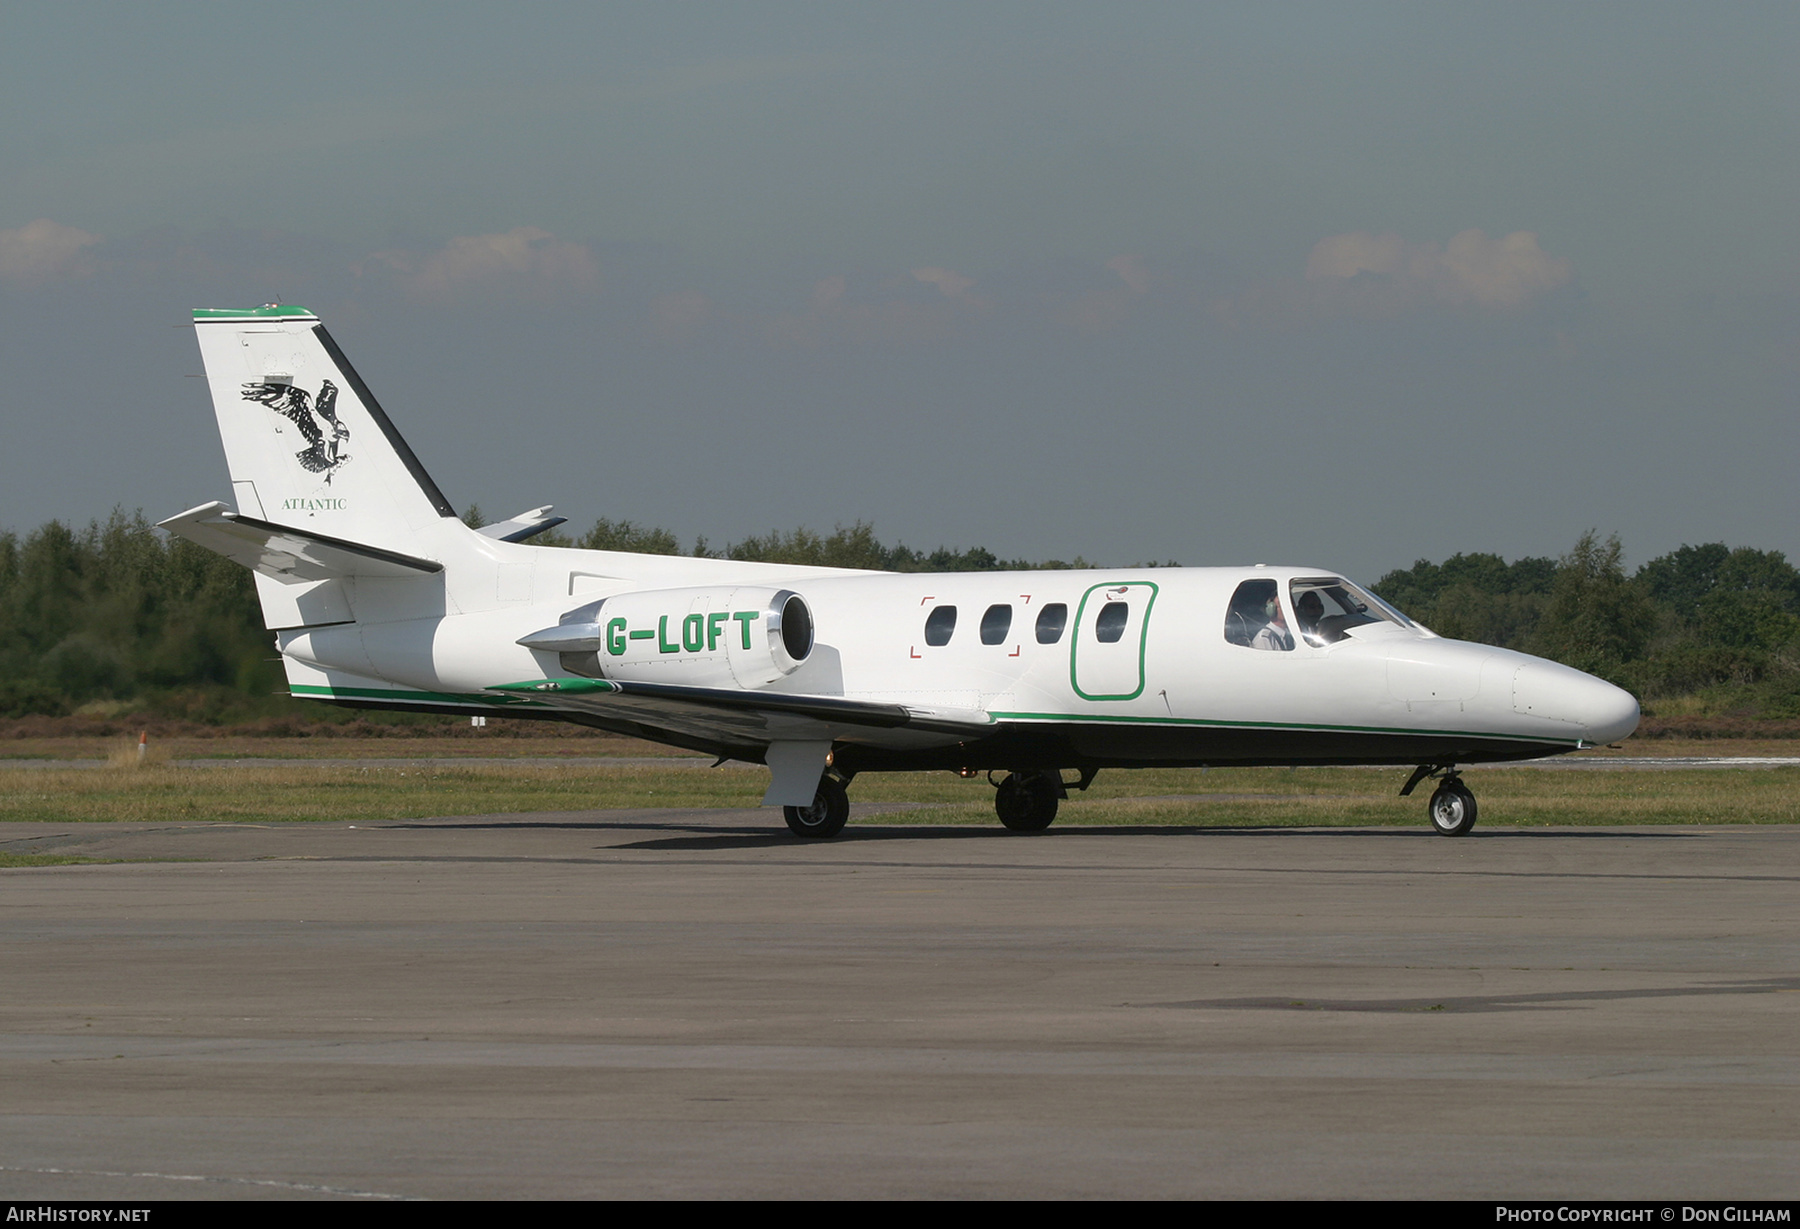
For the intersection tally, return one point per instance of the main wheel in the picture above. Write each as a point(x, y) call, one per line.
point(827, 813)
point(1026, 802)
point(1452, 809)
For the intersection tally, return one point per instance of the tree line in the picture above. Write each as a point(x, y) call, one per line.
point(121, 615)
point(1711, 625)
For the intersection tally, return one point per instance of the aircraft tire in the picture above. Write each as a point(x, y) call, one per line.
point(1026, 802)
point(1452, 809)
point(826, 816)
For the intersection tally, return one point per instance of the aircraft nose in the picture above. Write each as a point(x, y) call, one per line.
point(1547, 689)
point(1610, 713)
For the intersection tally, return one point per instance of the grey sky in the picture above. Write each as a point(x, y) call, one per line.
point(1184, 281)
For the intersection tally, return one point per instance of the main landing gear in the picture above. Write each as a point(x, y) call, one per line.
point(1026, 801)
point(825, 815)
point(1452, 805)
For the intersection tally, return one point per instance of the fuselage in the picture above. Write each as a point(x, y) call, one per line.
point(1115, 668)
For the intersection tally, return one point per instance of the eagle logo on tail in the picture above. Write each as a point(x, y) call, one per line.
point(324, 452)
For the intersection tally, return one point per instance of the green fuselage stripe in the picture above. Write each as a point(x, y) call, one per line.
point(1101, 719)
point(306, 690)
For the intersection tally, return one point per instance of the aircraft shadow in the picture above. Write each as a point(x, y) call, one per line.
point(761, 838)
point(675, 830)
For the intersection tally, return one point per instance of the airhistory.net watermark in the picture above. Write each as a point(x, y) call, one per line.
point(59, 1214)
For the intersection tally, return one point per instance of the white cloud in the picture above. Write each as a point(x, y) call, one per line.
point(523, 256)
point(950, 283)
point(37, 249)
point(1383, 277)
point(1472, 269)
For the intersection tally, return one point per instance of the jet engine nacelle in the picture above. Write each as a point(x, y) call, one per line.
point(724, 636)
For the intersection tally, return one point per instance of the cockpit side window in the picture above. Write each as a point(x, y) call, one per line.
point(1326, 607)
point(1254, 620)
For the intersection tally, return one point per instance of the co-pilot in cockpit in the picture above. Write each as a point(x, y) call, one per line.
point(1309, 608)
point(1325, 609)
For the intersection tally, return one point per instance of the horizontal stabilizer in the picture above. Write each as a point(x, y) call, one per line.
point(525, 525)
point(292, 556)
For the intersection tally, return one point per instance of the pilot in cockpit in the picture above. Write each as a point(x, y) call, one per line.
point(1274, 633)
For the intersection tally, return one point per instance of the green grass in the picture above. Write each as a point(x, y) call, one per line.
point(349, 792)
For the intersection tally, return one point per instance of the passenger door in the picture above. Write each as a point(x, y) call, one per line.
point(1106, 653)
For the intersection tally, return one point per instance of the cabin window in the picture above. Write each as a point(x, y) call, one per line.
point(1109, 624)
point(1254, 620)
point(939, 624)
point(1325, 607)
point(1050, 622)
point(995, 624)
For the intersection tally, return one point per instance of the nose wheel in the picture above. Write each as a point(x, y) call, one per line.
point(1452, 809)
point(1452, 805)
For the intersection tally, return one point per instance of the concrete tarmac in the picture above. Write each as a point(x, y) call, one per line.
point(694, 1004)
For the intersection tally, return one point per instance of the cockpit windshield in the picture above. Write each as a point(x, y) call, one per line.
point(1326, 607)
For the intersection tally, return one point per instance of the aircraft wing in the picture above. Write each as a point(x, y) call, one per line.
point(289, 555)
point(729, 717)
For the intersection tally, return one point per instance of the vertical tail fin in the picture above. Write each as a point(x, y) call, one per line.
point(306, 442)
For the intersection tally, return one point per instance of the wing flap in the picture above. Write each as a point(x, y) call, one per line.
point(758, 717)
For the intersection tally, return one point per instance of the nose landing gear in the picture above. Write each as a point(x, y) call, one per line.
point(1452, 805)
point(1452, 808)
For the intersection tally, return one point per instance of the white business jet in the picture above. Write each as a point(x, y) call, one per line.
point(379, 596)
